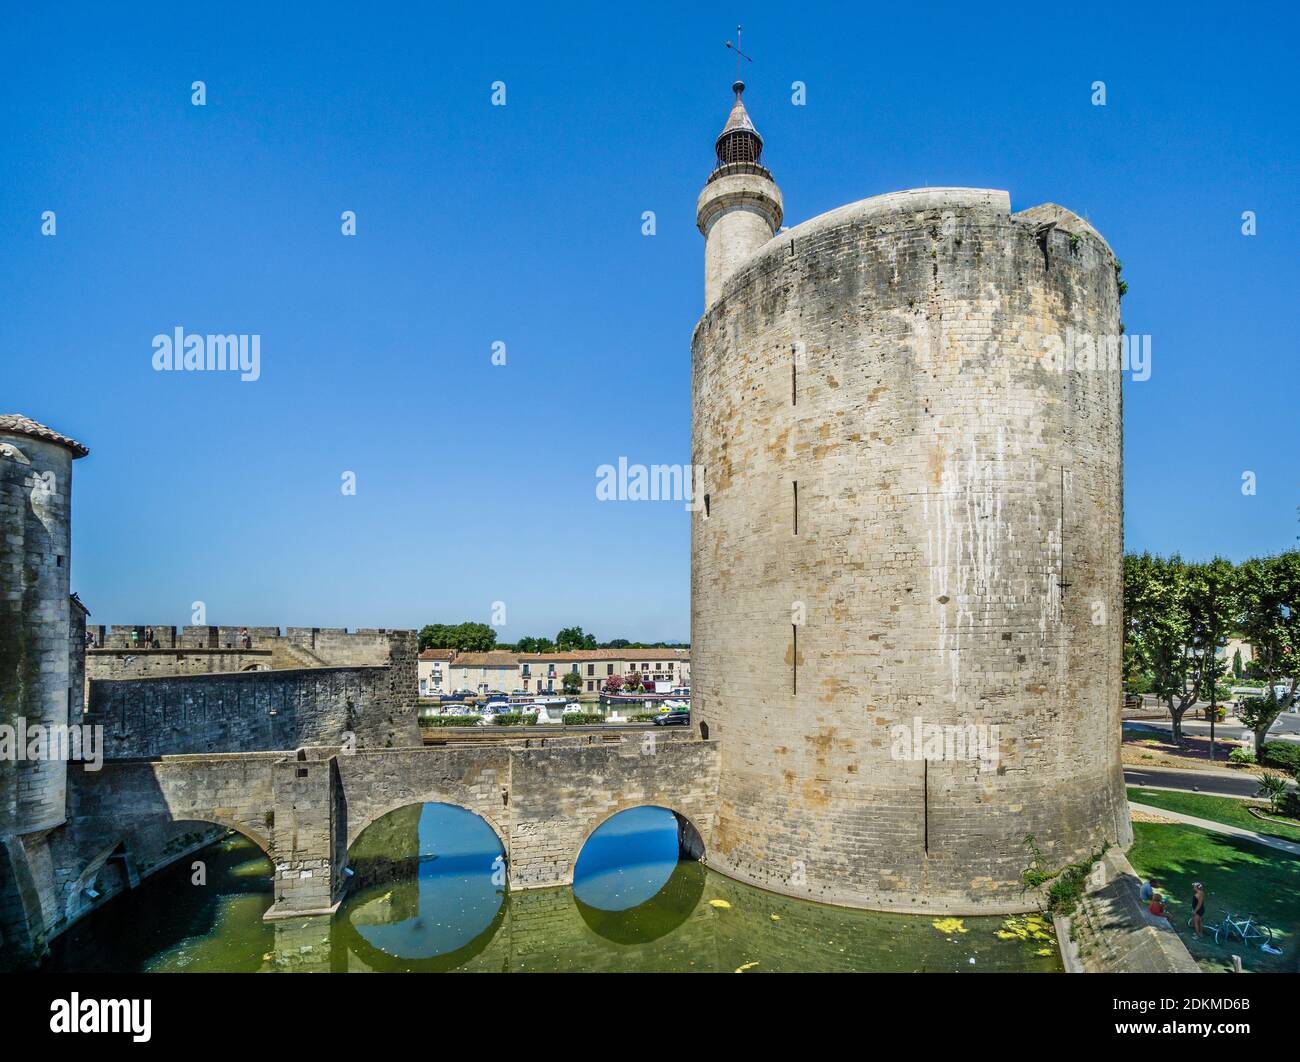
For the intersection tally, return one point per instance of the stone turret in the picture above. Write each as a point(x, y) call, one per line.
point(740, 208)
point(38, 685)
point(35, 560)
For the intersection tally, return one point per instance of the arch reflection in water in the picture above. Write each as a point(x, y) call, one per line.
point(428, 884)
point(631, 884)
point(170, 923)
point(667, 910)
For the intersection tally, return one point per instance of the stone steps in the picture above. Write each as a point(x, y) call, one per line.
point(287, 655)
point(1115, 933)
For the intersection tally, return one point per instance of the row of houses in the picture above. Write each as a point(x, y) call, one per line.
point(447, 671)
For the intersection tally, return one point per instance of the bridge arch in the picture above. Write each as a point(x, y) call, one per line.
point(376, 782)
point(689, 839)
point(373, 813)
point(123, 851)
point(216, 818)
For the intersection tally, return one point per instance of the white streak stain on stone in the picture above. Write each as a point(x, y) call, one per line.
point(964, 544)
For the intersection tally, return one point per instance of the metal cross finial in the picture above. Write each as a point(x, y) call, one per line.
point(739, 54)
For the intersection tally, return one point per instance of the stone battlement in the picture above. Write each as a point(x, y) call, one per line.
point(170, 636)
point(204, 651)
point(928, 206)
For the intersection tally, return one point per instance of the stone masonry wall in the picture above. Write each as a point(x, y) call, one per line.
point(335, 645)
point(911, 514)
point(229, 710)
point(560, 796)
point(151, 663)
point(254, 711)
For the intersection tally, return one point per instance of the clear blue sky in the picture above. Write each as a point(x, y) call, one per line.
point(523, 224)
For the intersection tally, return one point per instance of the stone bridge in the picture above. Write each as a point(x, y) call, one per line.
point(301, 760)
point(543, 796)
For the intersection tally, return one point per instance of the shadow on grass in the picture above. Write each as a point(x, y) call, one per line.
point(1240, 877)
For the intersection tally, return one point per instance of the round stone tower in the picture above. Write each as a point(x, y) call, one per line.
point(35, 561)
point(740, 207)
point(906, 573)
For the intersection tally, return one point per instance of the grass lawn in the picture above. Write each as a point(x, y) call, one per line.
point(1229, 811)
point(1240, 876)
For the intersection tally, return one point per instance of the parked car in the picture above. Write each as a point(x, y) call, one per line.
point(675, 717)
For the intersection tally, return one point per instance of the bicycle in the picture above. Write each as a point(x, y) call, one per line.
point(1248, 929)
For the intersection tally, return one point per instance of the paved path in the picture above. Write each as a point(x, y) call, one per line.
point(1285, 728)
point(1215, 783)
point(1289, 847)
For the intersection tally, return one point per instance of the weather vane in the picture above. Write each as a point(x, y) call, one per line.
point(739, 54)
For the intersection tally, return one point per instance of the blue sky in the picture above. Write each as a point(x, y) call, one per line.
point(522, 224)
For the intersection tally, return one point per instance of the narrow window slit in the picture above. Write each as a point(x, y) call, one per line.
point(925, 797)
point(794, 659)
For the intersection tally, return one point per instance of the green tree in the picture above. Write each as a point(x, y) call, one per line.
point(1236, 665)
point(1158, 624)
point(571, 683)
point(535, 645)
point(1213, 604)
point(434, 636)
point(467, 637)
point(571, 638)
point(1270, 603)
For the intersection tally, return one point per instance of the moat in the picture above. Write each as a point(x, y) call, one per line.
point(428, 895)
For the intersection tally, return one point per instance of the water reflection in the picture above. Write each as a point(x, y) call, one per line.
point(171, 924)
point(627, 860)
point(670, 906)
point(429, 882)
point(422, 900)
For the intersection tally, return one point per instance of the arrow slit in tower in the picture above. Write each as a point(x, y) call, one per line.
point(1062, 584)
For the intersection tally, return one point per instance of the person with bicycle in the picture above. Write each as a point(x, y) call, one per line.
point(1198, 907)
